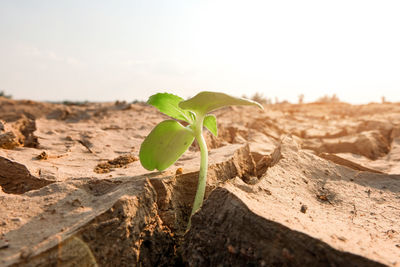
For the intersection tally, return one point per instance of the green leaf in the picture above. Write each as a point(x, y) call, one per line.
point(205, 102)
point(164, 145)
point(210, 122)
point(168, 104)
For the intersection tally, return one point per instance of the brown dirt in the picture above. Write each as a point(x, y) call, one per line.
point(347, 215)
point(313, 184)
point(118, 162)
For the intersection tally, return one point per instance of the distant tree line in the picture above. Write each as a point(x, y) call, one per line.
point(3, 94)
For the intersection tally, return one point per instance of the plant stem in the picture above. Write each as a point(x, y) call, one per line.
point(201, 186)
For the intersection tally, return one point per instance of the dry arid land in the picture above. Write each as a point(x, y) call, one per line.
point(294, 185)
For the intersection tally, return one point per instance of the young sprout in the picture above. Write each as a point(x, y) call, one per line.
point(170, 139)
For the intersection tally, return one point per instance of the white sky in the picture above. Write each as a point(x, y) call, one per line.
point(108, 50)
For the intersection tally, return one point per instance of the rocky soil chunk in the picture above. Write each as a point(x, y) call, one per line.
point(351, 219)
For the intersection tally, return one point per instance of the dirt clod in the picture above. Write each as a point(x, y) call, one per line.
point(42, 156)
point(179, 171)
point(303, 208)
point(118, 162)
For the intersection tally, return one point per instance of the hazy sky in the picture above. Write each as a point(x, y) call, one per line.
point(108, 50)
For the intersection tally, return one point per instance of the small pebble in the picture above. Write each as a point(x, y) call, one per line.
point(76, 203)
point(179, 171)
point(42, 156)
point(267, 192)
point(16, 219)
point(303, 208)
point(232, 249)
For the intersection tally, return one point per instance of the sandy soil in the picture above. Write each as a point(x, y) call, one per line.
point(323, 174)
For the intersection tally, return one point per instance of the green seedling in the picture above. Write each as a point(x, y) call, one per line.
point(170, 139)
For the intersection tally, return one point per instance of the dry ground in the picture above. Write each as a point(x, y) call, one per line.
point(312, 184)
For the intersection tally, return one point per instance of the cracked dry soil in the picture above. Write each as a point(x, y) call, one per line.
point(296, 185)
